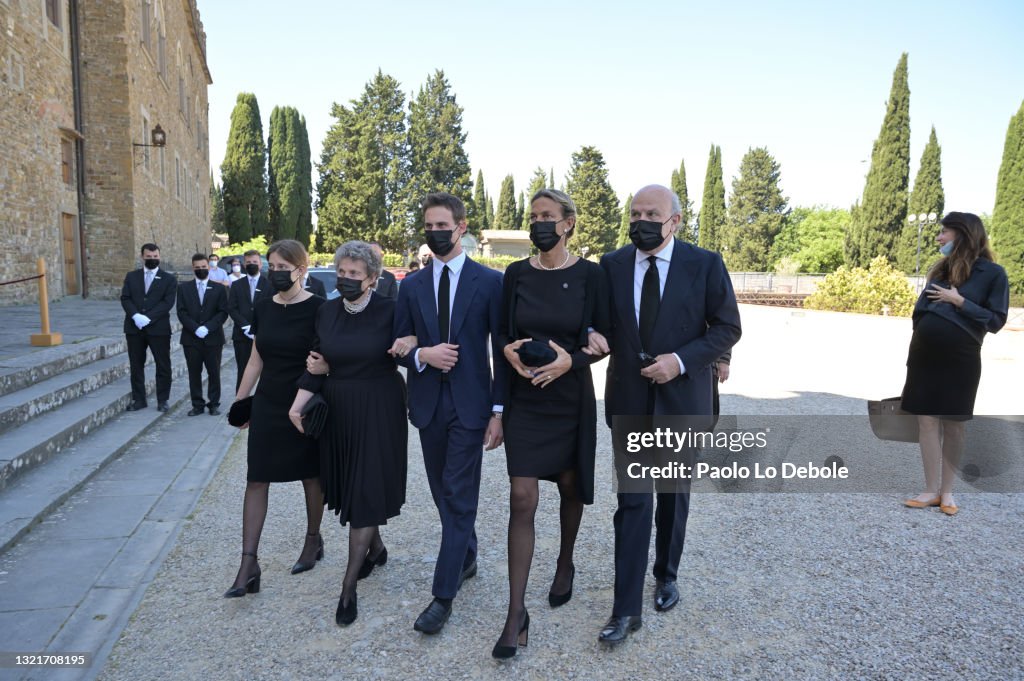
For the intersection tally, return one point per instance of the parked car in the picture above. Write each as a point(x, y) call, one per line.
point(226, 266)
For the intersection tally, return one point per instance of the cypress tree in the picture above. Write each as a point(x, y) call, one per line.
point(679, 187)
point(243, 173)
point(479, 218)
point(304, 225)
point(489, 213)
point(712, 206)
point(551, 179)
point(927, 197)
point(505, 218)
point(285, 184)
point(597, 206)
point(216, 207)
point(623, 237)
point(879, 217)
point(757, 213)
point(521, 216)
point(1007, 224)
point(537, 182)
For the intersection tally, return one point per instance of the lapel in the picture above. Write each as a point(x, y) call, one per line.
point(138, 283)
point(678, 285)
point(622, 278)
point(428, 305)
point(464, 295)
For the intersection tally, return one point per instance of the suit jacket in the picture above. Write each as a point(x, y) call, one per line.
point(387, 286)
point(240, 306)
point(156, 304)
point(212, 313)
point(475, 314)
point(316, 287)
point(697, 319)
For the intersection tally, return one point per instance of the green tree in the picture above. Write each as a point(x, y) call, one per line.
point(304, 225)
point(1007, 223)
point(597, 206)
point(623, 237)
point(477, 217)
point(686, 228)
point(216, 207)
point(522, 218)
point(286, 186)
point(489, 213)
point(811, 241)
point(506, 215)
point(364, 169)
point(437, 157)
point(243, 172)
point(537, 182)
point(757, 213)
point(712, 216)
point(926, 197)
point(551, 179)
point(879, 217)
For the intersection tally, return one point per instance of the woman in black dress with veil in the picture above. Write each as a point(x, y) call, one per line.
point(363, 447)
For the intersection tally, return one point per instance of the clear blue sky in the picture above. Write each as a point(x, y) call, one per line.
point(649, 84)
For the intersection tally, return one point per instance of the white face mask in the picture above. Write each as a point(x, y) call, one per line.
point(236, 268)
point(214, 264)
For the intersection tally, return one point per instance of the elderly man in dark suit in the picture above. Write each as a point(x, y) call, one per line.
point(202, 310)
point(674, 314)
point(147, 298)
point(241, 297)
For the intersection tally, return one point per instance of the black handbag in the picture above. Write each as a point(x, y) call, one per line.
point(240, 412)
point(536, 354)
point(890, 422)
point(314, 416)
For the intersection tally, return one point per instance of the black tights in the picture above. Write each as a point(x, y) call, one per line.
point(361, 542)
point(523, 509)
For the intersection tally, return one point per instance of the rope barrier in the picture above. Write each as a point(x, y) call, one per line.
point(18, 281)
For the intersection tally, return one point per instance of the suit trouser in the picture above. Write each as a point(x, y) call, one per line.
point(632, 542)
point(452, 455)
point(243, 349)
point(160, 346)
point(196, 357)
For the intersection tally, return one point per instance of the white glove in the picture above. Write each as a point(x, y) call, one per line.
point(245, 330)
point(140, 319)
point(202, 332)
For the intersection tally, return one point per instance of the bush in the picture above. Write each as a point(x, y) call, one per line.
point(880, 289)
point(498, 262)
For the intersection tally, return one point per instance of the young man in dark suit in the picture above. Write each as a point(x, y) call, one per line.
point(202, 310)
point(147, 298)
point(241, 297)
point(673, 315)
point(450, 308)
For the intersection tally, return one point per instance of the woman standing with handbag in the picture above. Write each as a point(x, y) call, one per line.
point(967, 296)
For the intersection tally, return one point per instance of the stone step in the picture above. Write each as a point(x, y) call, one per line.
point(35, 493)
point(18, 373)
point(42, 437)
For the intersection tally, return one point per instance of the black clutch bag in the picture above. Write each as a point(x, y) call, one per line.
point(314, 416)
point(536, 354)
point(240, 412)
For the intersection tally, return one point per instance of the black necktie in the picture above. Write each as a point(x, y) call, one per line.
point(444, 304)
point(650, 301)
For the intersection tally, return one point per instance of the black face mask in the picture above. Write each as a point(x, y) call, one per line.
point(252, 269)
point(439, 241)
point(646, 234)
point(350, 289)
point(151, 263)
point(201, 274)
point(544, 235)
point(281, 280)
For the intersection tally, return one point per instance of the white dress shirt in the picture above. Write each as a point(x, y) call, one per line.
point(664, 261)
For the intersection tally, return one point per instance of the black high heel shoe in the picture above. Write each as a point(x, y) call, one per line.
point(303, 567)
point(252, 584)
point(369, 563)
point(556, 600)
point(346, 614)
point(501, 652)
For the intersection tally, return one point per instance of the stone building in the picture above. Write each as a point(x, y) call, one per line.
point(83, 85)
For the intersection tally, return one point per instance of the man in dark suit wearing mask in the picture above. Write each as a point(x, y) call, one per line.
point(387, 286)
point(147, 298)
point(202, 310)
point(674, 314)
point(241, 297)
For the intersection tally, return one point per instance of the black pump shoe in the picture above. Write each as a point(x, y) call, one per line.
point(501, 652)
point(369, 563)
point(252, 584)
point(556, 600)
point(346, 614)
point(304, 567)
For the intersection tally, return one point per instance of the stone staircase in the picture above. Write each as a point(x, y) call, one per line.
point(62, 419)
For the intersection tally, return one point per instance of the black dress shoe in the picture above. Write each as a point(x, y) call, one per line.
point(252, 581)
point(369, 563)
point(432, 620)
point(195, 411)
point(162, 407)
point(619, 628)
point(557, 600)
point(666, 595)
point(214, 411)
point(346, 614)
point(135, 406)
point(468, 572)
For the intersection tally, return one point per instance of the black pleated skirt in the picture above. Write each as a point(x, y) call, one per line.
point(943, 370)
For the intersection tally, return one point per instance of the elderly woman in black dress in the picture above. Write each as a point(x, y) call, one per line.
point(284, 333)
point(363, 446)
point(967, 296)
point(550, 302)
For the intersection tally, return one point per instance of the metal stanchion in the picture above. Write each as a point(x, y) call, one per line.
point(46, 338)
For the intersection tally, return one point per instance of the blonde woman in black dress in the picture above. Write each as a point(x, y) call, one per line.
point(967, 296)
point(283, 327)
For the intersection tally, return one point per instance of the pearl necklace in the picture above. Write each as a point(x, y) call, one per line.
point(356, 308)
point(551, 269)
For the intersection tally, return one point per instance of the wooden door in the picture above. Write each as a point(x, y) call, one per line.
point(69, 244)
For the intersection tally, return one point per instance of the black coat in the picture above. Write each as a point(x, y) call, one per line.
point(387, 286)
point(156, 304)
point(212, 313)
point(316, 287)
point(240, 306)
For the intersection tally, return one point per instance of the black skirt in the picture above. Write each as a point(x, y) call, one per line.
point(943, 370)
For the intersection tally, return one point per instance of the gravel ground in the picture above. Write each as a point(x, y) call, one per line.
point(772, 585)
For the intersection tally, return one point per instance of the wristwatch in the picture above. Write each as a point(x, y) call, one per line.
point(496, 415)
